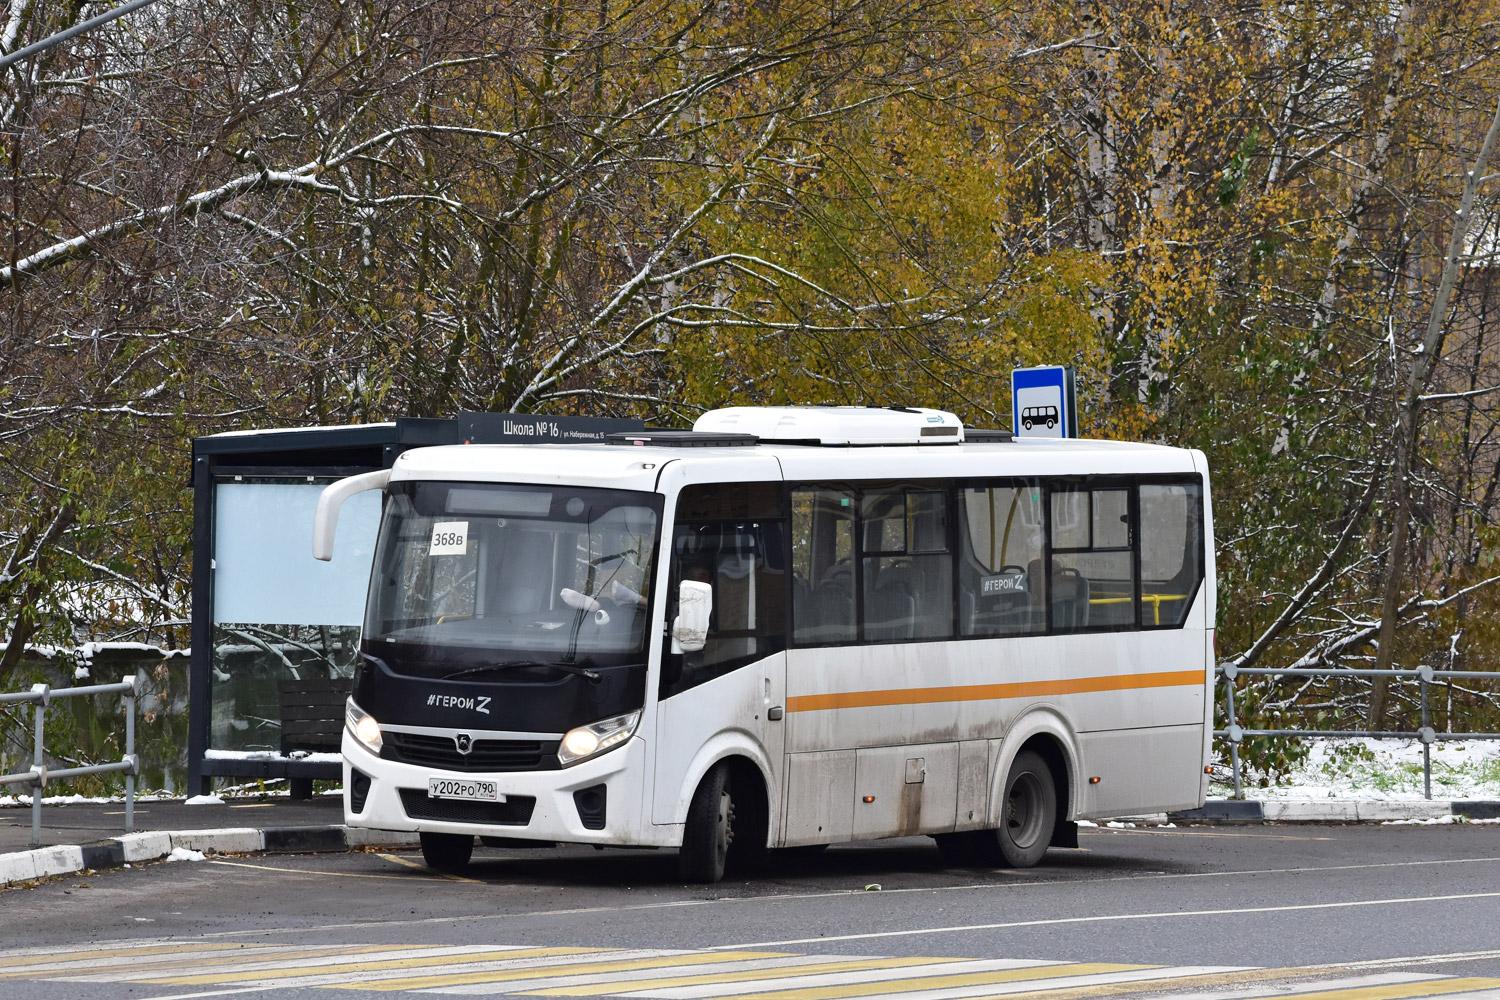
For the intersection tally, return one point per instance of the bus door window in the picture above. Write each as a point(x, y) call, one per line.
point(907, 572)
point(742, 559)
point(1171, 551)
point(1093, 566)
point(1002, 580)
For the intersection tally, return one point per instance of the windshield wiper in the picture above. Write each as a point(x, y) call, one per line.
point(568, 668)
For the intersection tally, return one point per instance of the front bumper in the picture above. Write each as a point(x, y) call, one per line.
point(553, 817)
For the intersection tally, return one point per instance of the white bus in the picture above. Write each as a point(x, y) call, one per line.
point(791, 626)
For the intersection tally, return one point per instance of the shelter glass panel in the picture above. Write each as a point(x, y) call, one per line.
point(286, 627)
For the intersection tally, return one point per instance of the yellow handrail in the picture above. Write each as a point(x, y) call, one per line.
point(1155, 600)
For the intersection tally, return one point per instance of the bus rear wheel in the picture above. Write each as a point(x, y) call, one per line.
point(447, 852)
point(1027, 811)
point(709, 830)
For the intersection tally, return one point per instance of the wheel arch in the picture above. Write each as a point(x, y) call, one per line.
point(1046, 732)
point(747, 762)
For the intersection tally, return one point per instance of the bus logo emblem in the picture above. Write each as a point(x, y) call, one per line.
point(464, 742)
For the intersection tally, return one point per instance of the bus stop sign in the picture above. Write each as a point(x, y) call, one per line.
point(1043, 401)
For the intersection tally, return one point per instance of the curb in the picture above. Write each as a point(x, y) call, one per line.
point(27, 866)
point(1232, 811)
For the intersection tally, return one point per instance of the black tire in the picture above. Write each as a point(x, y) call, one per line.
point(749, 852)
point(1028, 811)
point(709, 831)
point(1051, 424)
point(447, 852)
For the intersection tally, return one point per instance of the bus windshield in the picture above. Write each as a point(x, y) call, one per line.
point(474, 573)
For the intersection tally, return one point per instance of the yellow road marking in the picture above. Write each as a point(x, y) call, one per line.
point(423, 868)
point(630, 986)
point(1426, 988)
point(305, 871)
point(261, 953)
point(944, 982)
point(1430, 988)
point(420, 962)
point(82, 956)
point(1179, 982)
point(547, 972)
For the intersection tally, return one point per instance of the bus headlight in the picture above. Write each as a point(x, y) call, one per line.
point(597, 737)
point(363, 725)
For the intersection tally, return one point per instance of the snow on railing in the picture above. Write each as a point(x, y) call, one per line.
point(1236, 734)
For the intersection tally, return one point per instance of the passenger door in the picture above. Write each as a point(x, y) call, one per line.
point(729, 696)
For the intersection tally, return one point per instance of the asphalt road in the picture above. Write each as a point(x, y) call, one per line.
point(1340, 913)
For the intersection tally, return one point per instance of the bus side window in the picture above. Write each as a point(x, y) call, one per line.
point(1171, 551)
point(823, 566)
point(907, 573)
point(1002, 584)
point(1093, 566)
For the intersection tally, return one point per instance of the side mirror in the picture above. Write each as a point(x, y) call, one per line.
point(695, 603)
point(326, 517)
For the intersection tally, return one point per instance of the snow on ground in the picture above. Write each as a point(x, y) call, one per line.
point(1385, 769)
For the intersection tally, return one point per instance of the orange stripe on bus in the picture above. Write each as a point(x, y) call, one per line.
point(994, 692)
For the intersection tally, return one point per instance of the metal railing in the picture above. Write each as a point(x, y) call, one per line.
point(41, 696)
point(1428, 736)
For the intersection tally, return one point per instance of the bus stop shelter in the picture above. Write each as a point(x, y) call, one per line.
point(275, 633)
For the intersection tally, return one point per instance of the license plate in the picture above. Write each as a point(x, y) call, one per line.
point(463, 788)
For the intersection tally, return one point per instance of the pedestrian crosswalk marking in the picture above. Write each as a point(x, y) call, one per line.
point(156, 967)
point(261, 965)
point(1398, 991)
point(1217, 979)
point(913, 971)
point(930, 983)
point(1335, 982)
point(817, 968)
point(419, 962)
point(37, 957)
point(679, 959)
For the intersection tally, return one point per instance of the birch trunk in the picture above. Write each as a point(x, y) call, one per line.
point(1408, 428)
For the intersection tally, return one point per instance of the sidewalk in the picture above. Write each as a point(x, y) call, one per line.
point(87, 822)
point(84, 835)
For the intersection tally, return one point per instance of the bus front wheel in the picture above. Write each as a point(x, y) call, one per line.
point(447, 852)
point(709, 830)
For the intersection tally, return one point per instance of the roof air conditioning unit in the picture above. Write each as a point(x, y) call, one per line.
point(836, 425)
